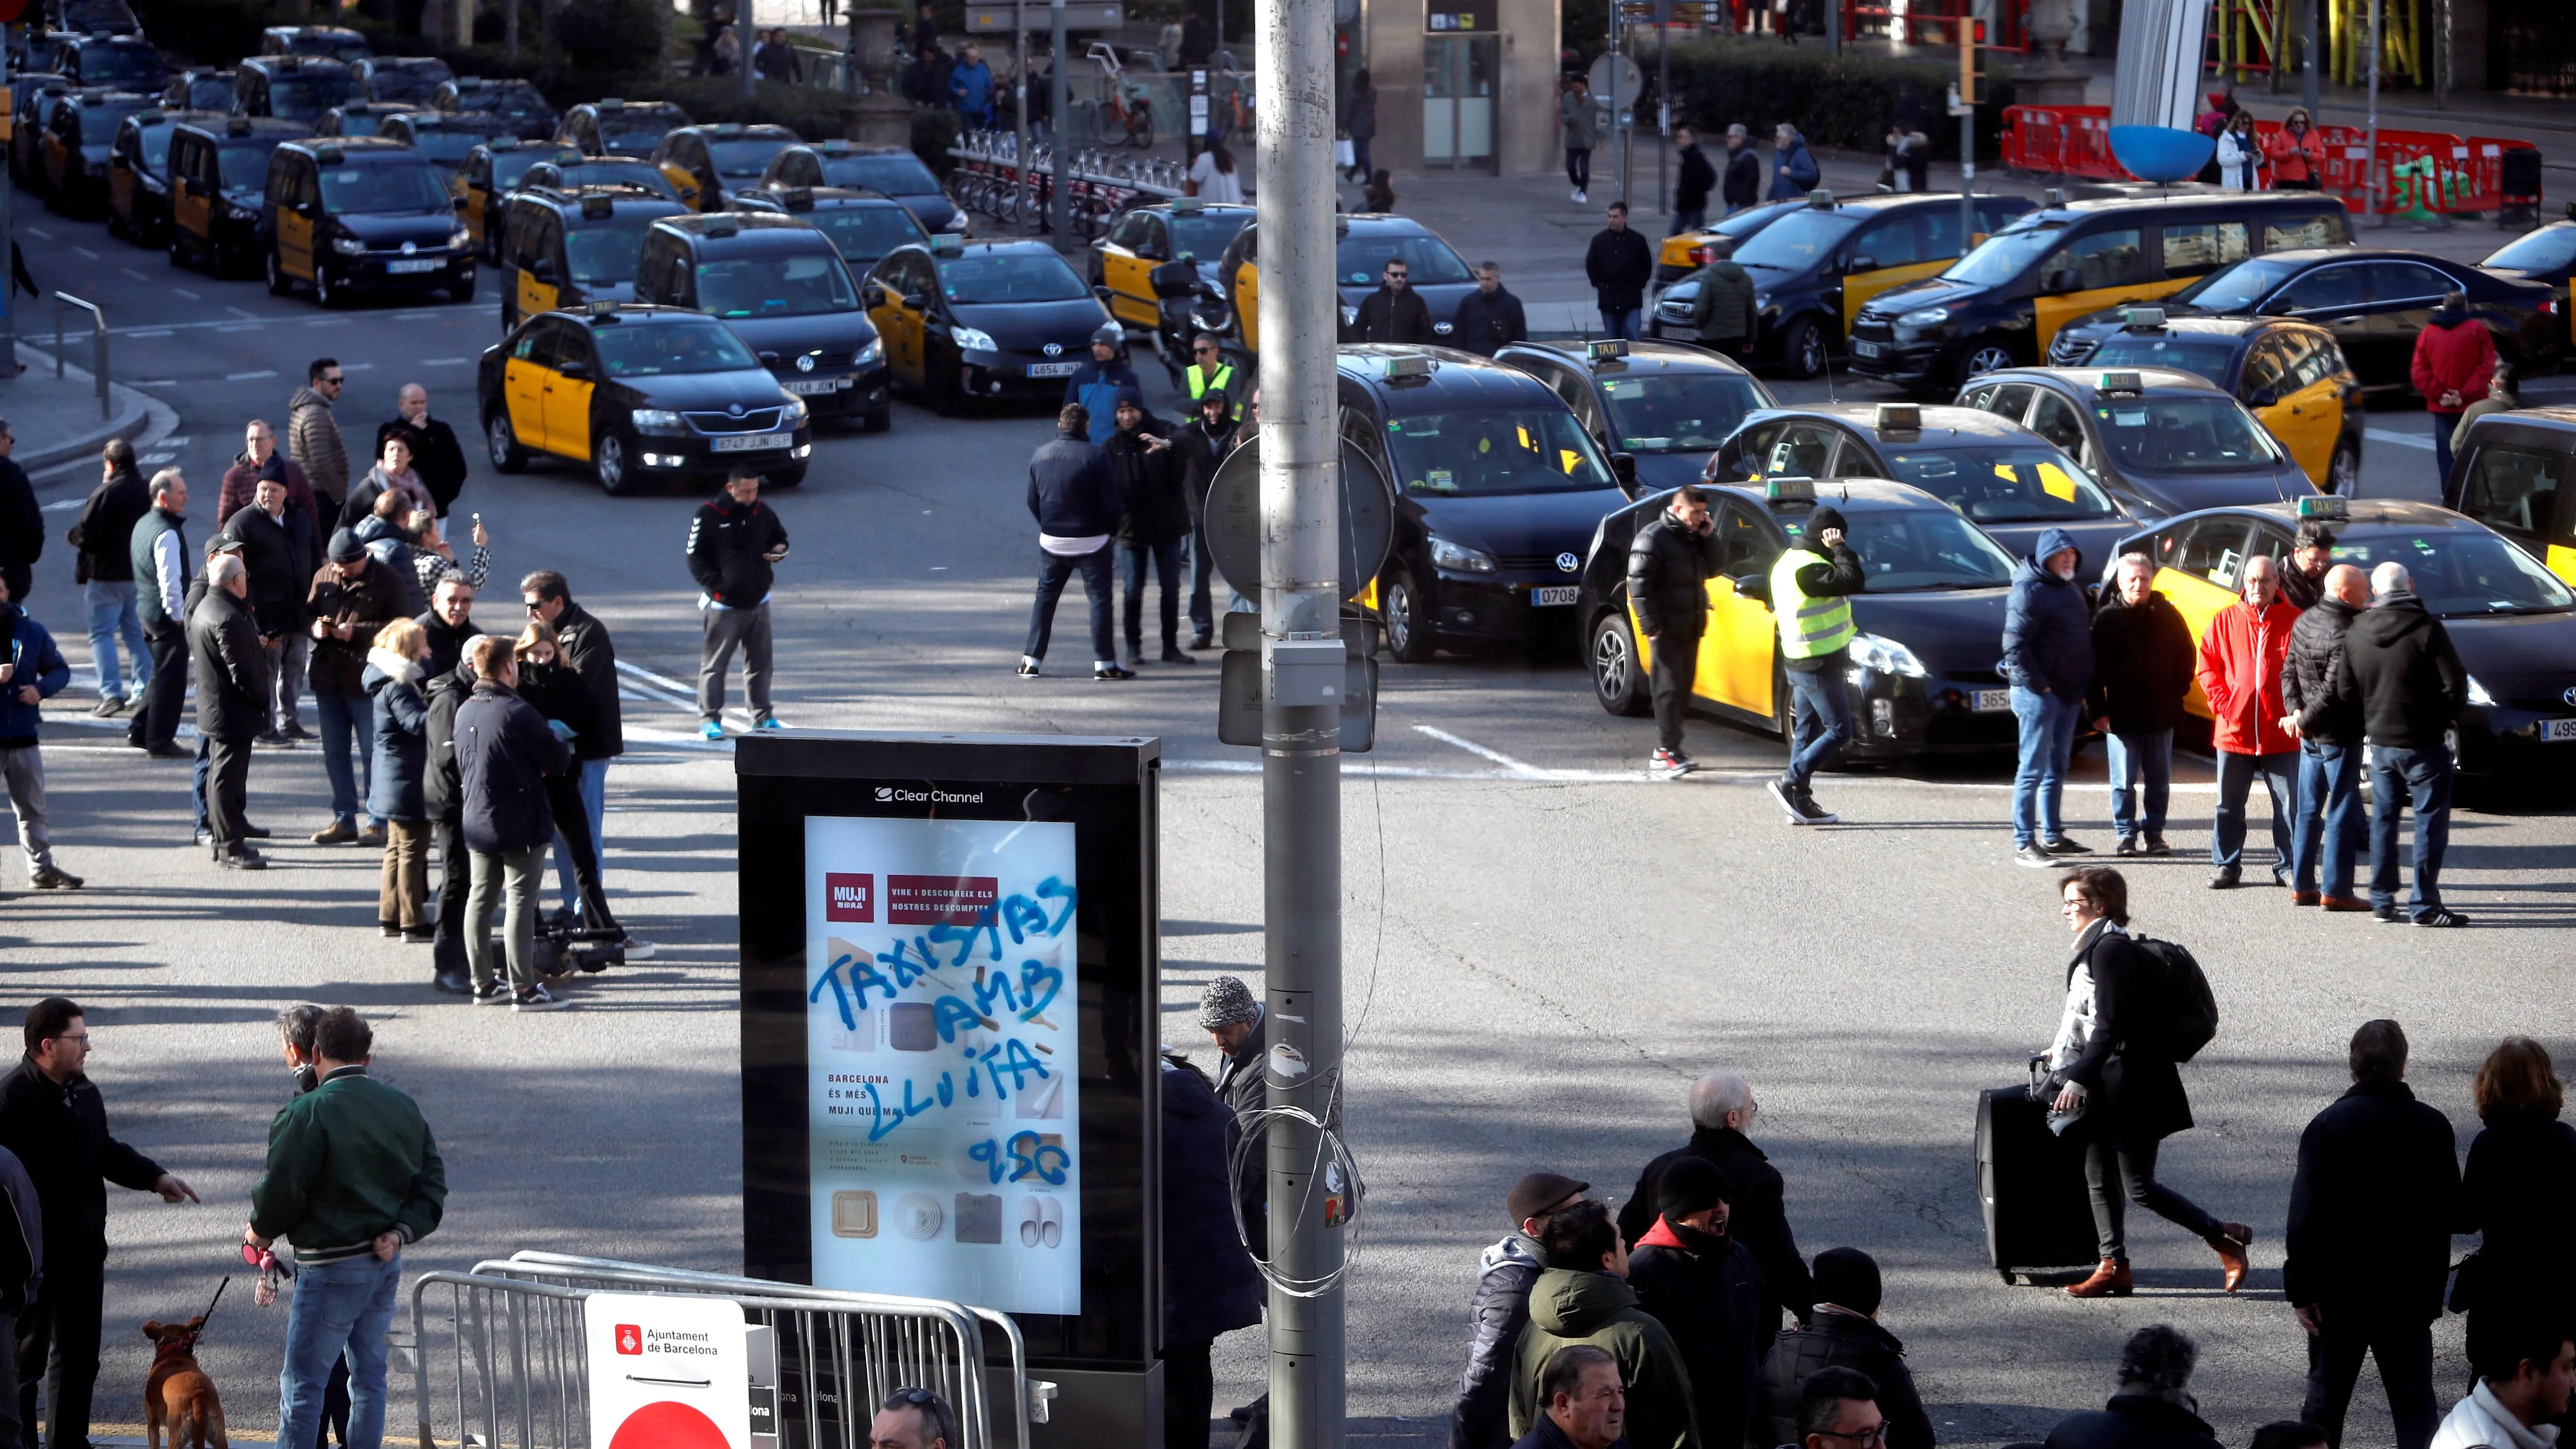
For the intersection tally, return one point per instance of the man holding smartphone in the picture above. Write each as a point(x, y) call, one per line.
point(1669, 565)
point(734, 541)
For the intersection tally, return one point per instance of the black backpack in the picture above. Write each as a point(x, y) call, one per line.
point(2189, 1014)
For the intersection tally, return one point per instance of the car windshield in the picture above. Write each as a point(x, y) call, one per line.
point(2208, 356)
point(747, 157)
point(113, 64)
point(1206, 234)
point(865, 233)
point(306, 97)
point(244, 167)
point(2005, 255)
point(2004, 482)
point(98, 123)
point(91, 15)
point(1909, 549)
point(603, 252)
point(331, 47)
point(1361, 260)
point(1493, 452)
point(794, 286)
point(2550, 249)
point(1010, 277)
point(668, 349)
point(382, 187)
point(2182, 435)
point(508, 167)
point(633, 142)
point(1754, 218)
point(892, 173)
point(2236, 288)
point(1673, 412)
point(409, 81)
point(214, 93)
point(155, 142)
point(632, 173)
point(1798, 241)
point(447, 148)
point(2461, 572)
point(359, 123)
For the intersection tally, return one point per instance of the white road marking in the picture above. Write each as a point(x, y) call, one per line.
point(40, 231)
point(2402, 440)
point(184, 292)
point(64, 505)
point(1355, 764)
point(244, 313)
point(151, 332)
point(250, 376)
point(357, 367)
point(138, 276)
point(444, 361)
point(637, 671)
point(328, 321)
point(1517, 767)
point(84, 251)
point(155, 460)
point(154, 382)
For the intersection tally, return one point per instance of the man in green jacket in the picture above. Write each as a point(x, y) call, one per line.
point(352, 1176)
point(1595, 1305)
point(1724, 308)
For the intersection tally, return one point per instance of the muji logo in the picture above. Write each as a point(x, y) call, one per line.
point(630, 1339)
point(849, 898)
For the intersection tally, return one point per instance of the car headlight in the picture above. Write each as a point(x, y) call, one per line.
point(870, 355)
point(2478, 695)
point(973, 339)
point(1869, 651)
point(794, 413)
point(1458, 558)
point(658, 420)
point(459, 238)
point(348, 246)
point(1923, 317)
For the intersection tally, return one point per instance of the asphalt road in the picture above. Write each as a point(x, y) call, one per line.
point(1543, 948)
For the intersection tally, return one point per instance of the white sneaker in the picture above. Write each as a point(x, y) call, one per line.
point(1580, 199)
point(638, 950)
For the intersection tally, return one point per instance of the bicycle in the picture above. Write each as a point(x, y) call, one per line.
point(1125, 103)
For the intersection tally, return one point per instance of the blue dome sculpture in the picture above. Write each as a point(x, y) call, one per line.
point(2160, 153)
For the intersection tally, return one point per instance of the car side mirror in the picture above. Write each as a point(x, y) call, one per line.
point(543, 269)
point(871, 296)
point(2064, 279)
point(1101, 291)
point(1754, 586)
point(1623, 466)
point(460, 203)
point(578, 371)
point(2279, 307)
point(917, 302)
point(1861, 264)
point(2262, 397)
point(302, 208)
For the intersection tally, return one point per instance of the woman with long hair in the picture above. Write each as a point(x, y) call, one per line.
point(2516, 1193)
point(395, 664)
point(555, 691)
point(1212, 175)
point(2239, 153)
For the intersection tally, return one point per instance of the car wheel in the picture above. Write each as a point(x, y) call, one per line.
point(502, 443)
point(178, 249)
point(878, 419)
point(1802, 351)
point(1617, 680)
point(279, 283)
point(1986, 354)
point(323, 292)
point(462, 292)
point(2343, 474)
point(611, 462)
point(1408, 617)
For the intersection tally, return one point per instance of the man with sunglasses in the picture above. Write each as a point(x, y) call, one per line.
point(313, 436)
point(1838, 1409)
point(914, 1419)
point(1394, 312)
point(1210, 372)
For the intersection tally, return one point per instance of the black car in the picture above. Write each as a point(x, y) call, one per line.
point(218, 174)
point(2516, 473)
point(485, 179)
point(363, 214)
point(125, 62)
point(893, 170)
point(28, 94)
point(2291, 375)
point(599, 171)
point(408, 79)
point(782, 287)
point(1497, 489)
point(2162, 441)
point(291, 87)
point(445, 138)
point(2372, 299)
point(708, 164)
point(199, 88)
point(326, 42)
point(2546, 255)
point(864, 225)
point(639, 394)
point(1923, 678)
point(519, 104)
point(80, 129)
point(1668, 405)
point(615, 127)
point(2513, 624)
point(1362, 246)
point(2001, 476)
point(981, 319)
point(563, 248)
point(138, 173)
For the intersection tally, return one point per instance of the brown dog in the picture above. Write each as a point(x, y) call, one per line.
point(178, 1399)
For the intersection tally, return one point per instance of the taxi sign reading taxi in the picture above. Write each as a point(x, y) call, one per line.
point(667, 1372)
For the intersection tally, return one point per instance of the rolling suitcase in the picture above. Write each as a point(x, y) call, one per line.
point(2030, 1183)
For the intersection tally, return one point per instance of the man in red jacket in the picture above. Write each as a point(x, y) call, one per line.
point(2454, 358)
point(2240, 671)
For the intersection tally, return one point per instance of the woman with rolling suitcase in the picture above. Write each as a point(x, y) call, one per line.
point(2110, 1066)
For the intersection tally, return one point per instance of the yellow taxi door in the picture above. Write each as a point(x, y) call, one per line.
point(2307, 422)
point(533, 296)
point(568, 386)
point(2097, 270)
point(1737, 651)
point(192, 215)
point(2198, 568)
point(1127, 263)
point(1247, 304)
point(1920, 241)
point(523, 384)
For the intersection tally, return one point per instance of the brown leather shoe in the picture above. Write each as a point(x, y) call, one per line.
point(2110, 1280)
point(2232, 1241)
point(2345, 903)
point(2304, 898)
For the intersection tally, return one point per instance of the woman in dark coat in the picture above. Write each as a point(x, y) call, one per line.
point(2520, 1179)
point(1209, 1283)
point(557, 692)
point(401, 751)
point(2109, 1063)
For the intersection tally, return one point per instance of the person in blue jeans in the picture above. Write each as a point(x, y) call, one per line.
point(1074, 496)
point(1619, 263)
point(2327, 826)
point(2142, 668)
point(1811, 586)
point(2399, 666)
point(2048, 659)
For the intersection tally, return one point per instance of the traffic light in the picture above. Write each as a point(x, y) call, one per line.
point(1972, 61)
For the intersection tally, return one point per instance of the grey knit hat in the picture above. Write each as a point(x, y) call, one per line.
point(1227, 1002)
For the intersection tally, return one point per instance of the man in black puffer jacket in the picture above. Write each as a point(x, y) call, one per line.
point(1846, 1335)
point(1670, 563)
point(2143, 662)
point(2399, 667)
point(2154, 1407)
point(1500, 1310)
point(1155, 523)
point(1073, 494)
point(1705, 1288)
point(734, 543)
point(2329, 745)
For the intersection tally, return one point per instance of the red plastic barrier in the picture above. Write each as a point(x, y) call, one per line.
point(2486, 164)
point(2418, 170)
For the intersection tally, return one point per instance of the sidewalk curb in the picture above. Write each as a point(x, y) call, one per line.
point(133, 412)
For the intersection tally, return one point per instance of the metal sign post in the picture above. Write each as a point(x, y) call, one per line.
point(1059, 222)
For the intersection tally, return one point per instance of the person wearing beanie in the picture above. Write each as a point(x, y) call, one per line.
point(1155, 523)
point(1845, 1334)
point(1811, 585)
point(1706, 1289)
point(1233, 1020)
point(349, 601)
point(1722, 1110)
point(1500, 1310)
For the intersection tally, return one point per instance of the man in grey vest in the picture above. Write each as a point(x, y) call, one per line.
point(161, 571)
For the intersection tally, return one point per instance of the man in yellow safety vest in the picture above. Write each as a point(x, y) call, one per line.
point(1209, 370)
point(1811, 585)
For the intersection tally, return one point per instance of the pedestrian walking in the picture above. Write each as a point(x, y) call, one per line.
point(396, 661)
point(1359, 122)
point(442, 797)
point(1213, 177)
point(1202, 446)
point(585, 648)
point(1394, 313)
point(1793, 168)
point(1839, 1406)
point(1723, 310)
point(351, 599)
point(2110, 1062)
point(1743, 184)
point(32, 671)
point(1909, 161)
point(2142, 669)
point(1500, 1310)
point(313, 436)
point(2521, 1393)
point(53, 1120)
point(1095, 384)
point(503, 754)
point(160, 564)
point(436, 456)
point(2241, 656)
point(1153, 525)
point(1074, 496)
point(2329, 818)
point(1846, 1335)
point(1670, 562)
point(2048, 661)
point(563, 700)
point(1578, 125)
point(2399, 665)
point(449, 624)
point(1812, 582)
point(1722, 1111)
point(1210, 1286)
point(2296, 153)
point(2454, 363)
point(22, 527)
point(1583, 1404)
point(1693, 179)
point(103, 565)
point(231, 669)
point(1489, 318)
point(2153, 1409)
point(2521, 1173)
point(2369, 1242)
point(1233, 1021)
point(1582, 1298)
point(1619, 264)
point(22, 1279)
point(1705, 1289)
point(353, 1177)
point(970, 86)
point(281, 554)
point(735, 545)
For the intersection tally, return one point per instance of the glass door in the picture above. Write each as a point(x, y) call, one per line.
point(1458, 84)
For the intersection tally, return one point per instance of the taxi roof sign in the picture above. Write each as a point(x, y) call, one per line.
point(947, 244)
point(720, 225)
point(611, 103)
point(1900, 418)
point(2332, 506)
point(2129, 383)
point(598, 208)
point(2142, 319)
point(603, 308)
point(1821, 199)
point(1606, 350)
point(1412, 366)
point(1780, 491)
point(797, 198)
point(1187, 205)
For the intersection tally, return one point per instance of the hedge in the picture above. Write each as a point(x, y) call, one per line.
point(1840, 101)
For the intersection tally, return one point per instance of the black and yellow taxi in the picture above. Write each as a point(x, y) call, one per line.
point(2002, 304)
point(1497, 487)
point(218, 172)
point(361, 215)
point(708, 164)
point(2516, 473)
point(360, 118)
point(1999, 475)
point(2546, 255)
point(619, 127)
point(782, 287)
point(863, 225)
point(893, 170)
point(640, 395)
point(563, 248)
point(1665, 404)
point(2162, 440)
point(1143, 238)
point(29, 92)
point(965, 319)
point(199, 88)
point(80, 130)
point(327, 42)
point(122, 62)
point(486, 177)
point(1922, 676)
point(1685, 252)
point(1814, 268)
point(518, 104)
point(2512, 622)
point(138, 173)
point(600, 171)
point(1363, 244)
point(445, 138)
point(2291, 375)
point(410, 80)
point(290, 87)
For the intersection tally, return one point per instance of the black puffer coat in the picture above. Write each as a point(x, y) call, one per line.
point(1669, 567)
point(1708, 1294)
point(1756, 1216)
point(2307, 675)
point(1209, 1283)
point(1497, 1314)
point(2133, 1421)
point(1841, 1340)
point(503, 754)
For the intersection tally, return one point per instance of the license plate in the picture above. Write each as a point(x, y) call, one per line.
point(2558, 729)
point(1053, 369)
point(752, 442)
point(1865, 349)
point(1990, 701)
point(1554, 596)
point(809, 386)
point(416, 264)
